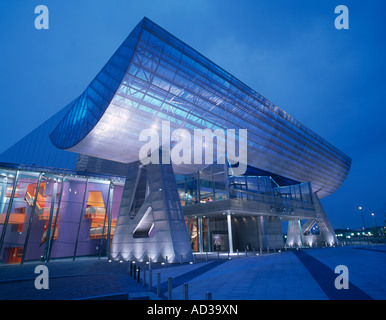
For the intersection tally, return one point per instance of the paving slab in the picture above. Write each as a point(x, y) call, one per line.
point(287, 275)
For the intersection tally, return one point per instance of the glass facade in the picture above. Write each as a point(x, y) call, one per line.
point(214, 233)
point(203, 186)
point(46, 214)
point(204, 192)
point(211, 185)
point(49, 214)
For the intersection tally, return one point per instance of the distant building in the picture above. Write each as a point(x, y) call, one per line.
point(375, 234)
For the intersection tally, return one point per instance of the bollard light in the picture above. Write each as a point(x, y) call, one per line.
point(150, 279)
point(169, 288)
point(158, 284)
point(186, 291)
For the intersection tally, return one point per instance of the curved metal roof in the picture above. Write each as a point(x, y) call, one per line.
point(155, 77)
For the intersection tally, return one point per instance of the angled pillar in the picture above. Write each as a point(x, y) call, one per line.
point(300, 232)
point(308, 225)
point(150, 222)
point(294, 237)
point(262, 232)
point(326, 230)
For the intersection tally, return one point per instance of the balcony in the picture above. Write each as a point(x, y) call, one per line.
point(95, 213)
point(9, 189)
point(97, 230)
point(43, 213)
point(14, 218)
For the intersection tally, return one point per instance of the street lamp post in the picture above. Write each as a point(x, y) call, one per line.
point(375, 220)
point(363, 220)
point(375, 223)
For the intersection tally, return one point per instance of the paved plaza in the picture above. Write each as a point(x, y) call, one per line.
point(306, 274)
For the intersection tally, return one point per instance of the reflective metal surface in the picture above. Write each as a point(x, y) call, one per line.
point(154, 76)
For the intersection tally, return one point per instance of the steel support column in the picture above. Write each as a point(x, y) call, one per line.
point(300, 231)
point(48, 236)
point(31, 218)
point(230, 237)
point(56, 220)
point(200, 235)
point(80, 219)
point(110, 204)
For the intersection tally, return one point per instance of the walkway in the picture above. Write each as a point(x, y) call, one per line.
point(296, 275)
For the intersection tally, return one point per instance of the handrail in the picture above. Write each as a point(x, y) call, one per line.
point(40, 211)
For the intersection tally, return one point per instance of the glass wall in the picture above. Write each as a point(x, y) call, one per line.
point(192, 225)
point(252, 188)
point(209, 185)
point(204, 186)
point(11, 226)
point(294, 196)
point(214, 235)
point(265, 189)
point(46, 215)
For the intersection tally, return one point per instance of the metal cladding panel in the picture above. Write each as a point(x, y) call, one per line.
point(37, 149)
point(166, 80)
point(89, 107)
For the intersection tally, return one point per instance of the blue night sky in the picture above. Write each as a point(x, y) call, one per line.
point(333, 81)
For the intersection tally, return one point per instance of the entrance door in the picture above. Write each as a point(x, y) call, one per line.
point(220, 242)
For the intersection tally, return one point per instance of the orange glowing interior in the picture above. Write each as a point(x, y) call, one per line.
point(96, 211)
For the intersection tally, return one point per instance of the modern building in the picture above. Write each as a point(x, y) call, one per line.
point(78, 185)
